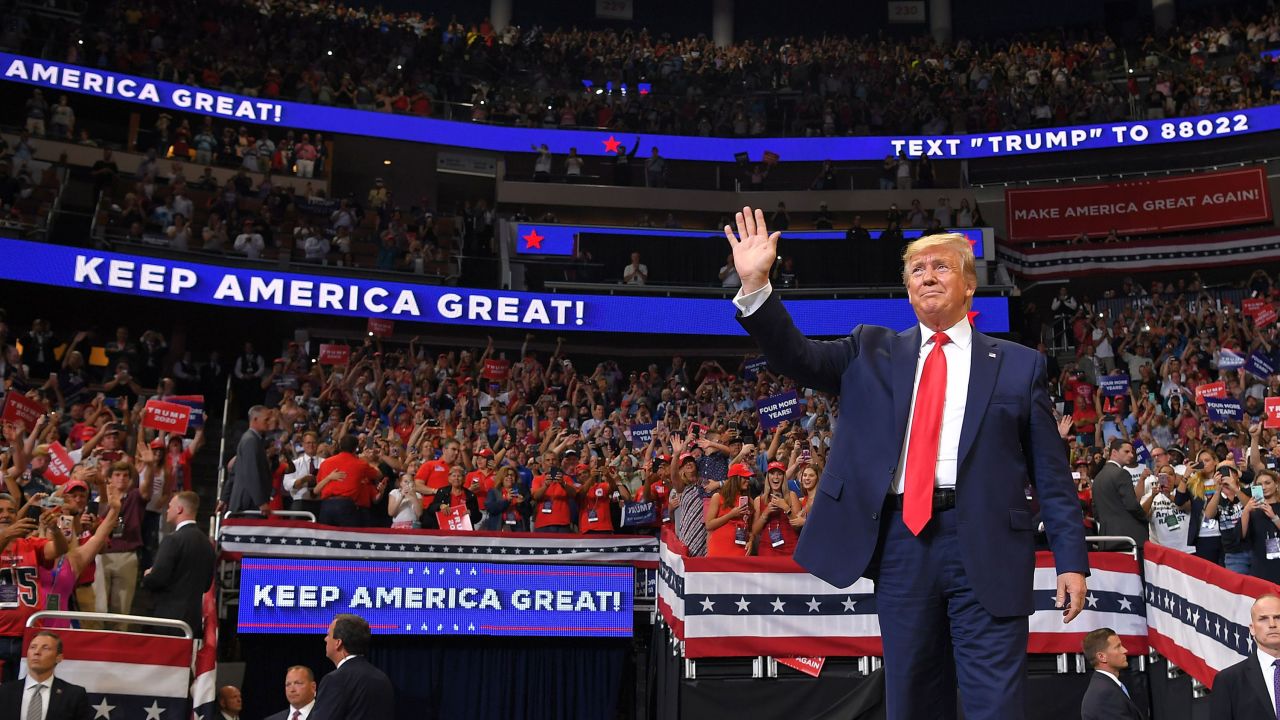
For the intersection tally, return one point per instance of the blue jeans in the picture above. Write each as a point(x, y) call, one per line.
point(1239, 561)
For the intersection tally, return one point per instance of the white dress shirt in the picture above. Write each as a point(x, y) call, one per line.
point(959, 357)
point(46, 694)
point(1114, 678)
point(304, 712)
point(1268, 672)
point(303, 465)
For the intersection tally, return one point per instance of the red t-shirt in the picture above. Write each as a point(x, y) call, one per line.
point(657, 494)
point(355, 485)
point(19, 566)
point(435, 473)
point(553, 509)
point(485, 478)
point(593, 510)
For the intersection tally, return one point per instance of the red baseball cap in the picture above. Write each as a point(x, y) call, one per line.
point(484, 452)
point(739, 470)
point(687, 457)
point(74, 484)
point(775, 465)
point(581, 467)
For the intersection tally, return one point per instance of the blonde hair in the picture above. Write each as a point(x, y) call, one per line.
point(952, 242)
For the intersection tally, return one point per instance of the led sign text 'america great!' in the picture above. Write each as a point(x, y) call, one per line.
point(303, 294)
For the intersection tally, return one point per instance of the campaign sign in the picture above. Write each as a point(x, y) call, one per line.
point(1250, 306)
point(1210, 390)
point(166, 416)
point(639, 514)
point(810, 666)
point(1114, 385)
point(641, 434)
point(60, 464)
point(752, 367)
point(1272, 407)
point(455, 518)
point(19, 408)
point(497, 370)
point(195, 402)
point(1224, 408)
point(301, 596)
point(334, 354)
point(1229, 360)
point(381, 328)
point(1265, 316)
point(1141, 452)
point(773, 410)
point(1259, 365)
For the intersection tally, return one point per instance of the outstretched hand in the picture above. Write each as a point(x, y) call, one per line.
point(755, 249)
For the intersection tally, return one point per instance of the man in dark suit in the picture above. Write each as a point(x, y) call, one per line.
point(1115, 501)
point(183, 570)
point(1247, 690)
point(40, 691)
point(934, 510)
point(1106, 697)
point(250, 485)
point(355, 690)
point(300, 691)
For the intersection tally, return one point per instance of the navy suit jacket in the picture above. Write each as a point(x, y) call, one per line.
point(66, 701)
point(1240, 692)
point(1104, 700)
point(356, 691)
point(1008, 438)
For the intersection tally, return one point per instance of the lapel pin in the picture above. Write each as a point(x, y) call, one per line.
point(991, 354)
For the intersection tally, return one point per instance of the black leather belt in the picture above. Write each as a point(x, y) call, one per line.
point(943, 499)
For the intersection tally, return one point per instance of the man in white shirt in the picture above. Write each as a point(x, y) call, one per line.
point(300, 691)
point(40, 695)
point(636, 273)
point(1106, 697)
point(300, 484)
point(249, 242)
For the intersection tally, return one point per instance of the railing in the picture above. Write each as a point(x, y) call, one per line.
point(113, 618)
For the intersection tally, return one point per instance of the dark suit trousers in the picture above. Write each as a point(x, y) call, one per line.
point(341, 512)
point(935, 631)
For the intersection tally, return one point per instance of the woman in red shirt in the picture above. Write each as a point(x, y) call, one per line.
point(456, 499)
point(809, 493)
point(729, 515)
point(551, 493)
point(595, 503)
point(774, 509)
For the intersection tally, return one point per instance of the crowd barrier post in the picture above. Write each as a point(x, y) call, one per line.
point(215, 524)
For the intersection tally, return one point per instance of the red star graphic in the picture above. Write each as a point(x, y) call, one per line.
point(533, 239)
point(611, 145)
point(972, 314)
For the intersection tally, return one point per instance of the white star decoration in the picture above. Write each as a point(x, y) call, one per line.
point(1125, 604)
point(777, 604)
point(708, 605)
point(1093, 601)
point(103, 710)
point(849, 604)
point(742, 604)
point(153, 712)
point(813, 604)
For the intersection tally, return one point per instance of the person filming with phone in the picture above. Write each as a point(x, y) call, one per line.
point(1260, 526)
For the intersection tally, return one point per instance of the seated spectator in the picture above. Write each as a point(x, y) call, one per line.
point(636, 273)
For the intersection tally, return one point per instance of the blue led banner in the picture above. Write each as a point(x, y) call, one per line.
point(160, 278)
point(170, 96)
point(301, 596)
point(546, 239)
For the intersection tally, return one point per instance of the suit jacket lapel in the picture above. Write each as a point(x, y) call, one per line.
point(1258, 681)
point(904, 355)
point(983, 368)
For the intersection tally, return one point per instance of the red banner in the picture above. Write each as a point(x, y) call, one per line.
point(60, 464)
point(456, 519)
point(1210, 390)
point(333, 354)
point(381, 328)
point(1250, 306)
point(166, 416)
point(1272, 405)
point(1265, 316)
point(496, 370)
point(19, 408)
point(1140, 207)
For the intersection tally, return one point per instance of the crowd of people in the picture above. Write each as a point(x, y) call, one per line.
point(416, 63)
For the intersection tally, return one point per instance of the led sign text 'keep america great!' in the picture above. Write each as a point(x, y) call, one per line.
point(171, 96)
point(263, 289)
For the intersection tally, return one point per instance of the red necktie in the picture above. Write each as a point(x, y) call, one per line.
point(922, 446)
